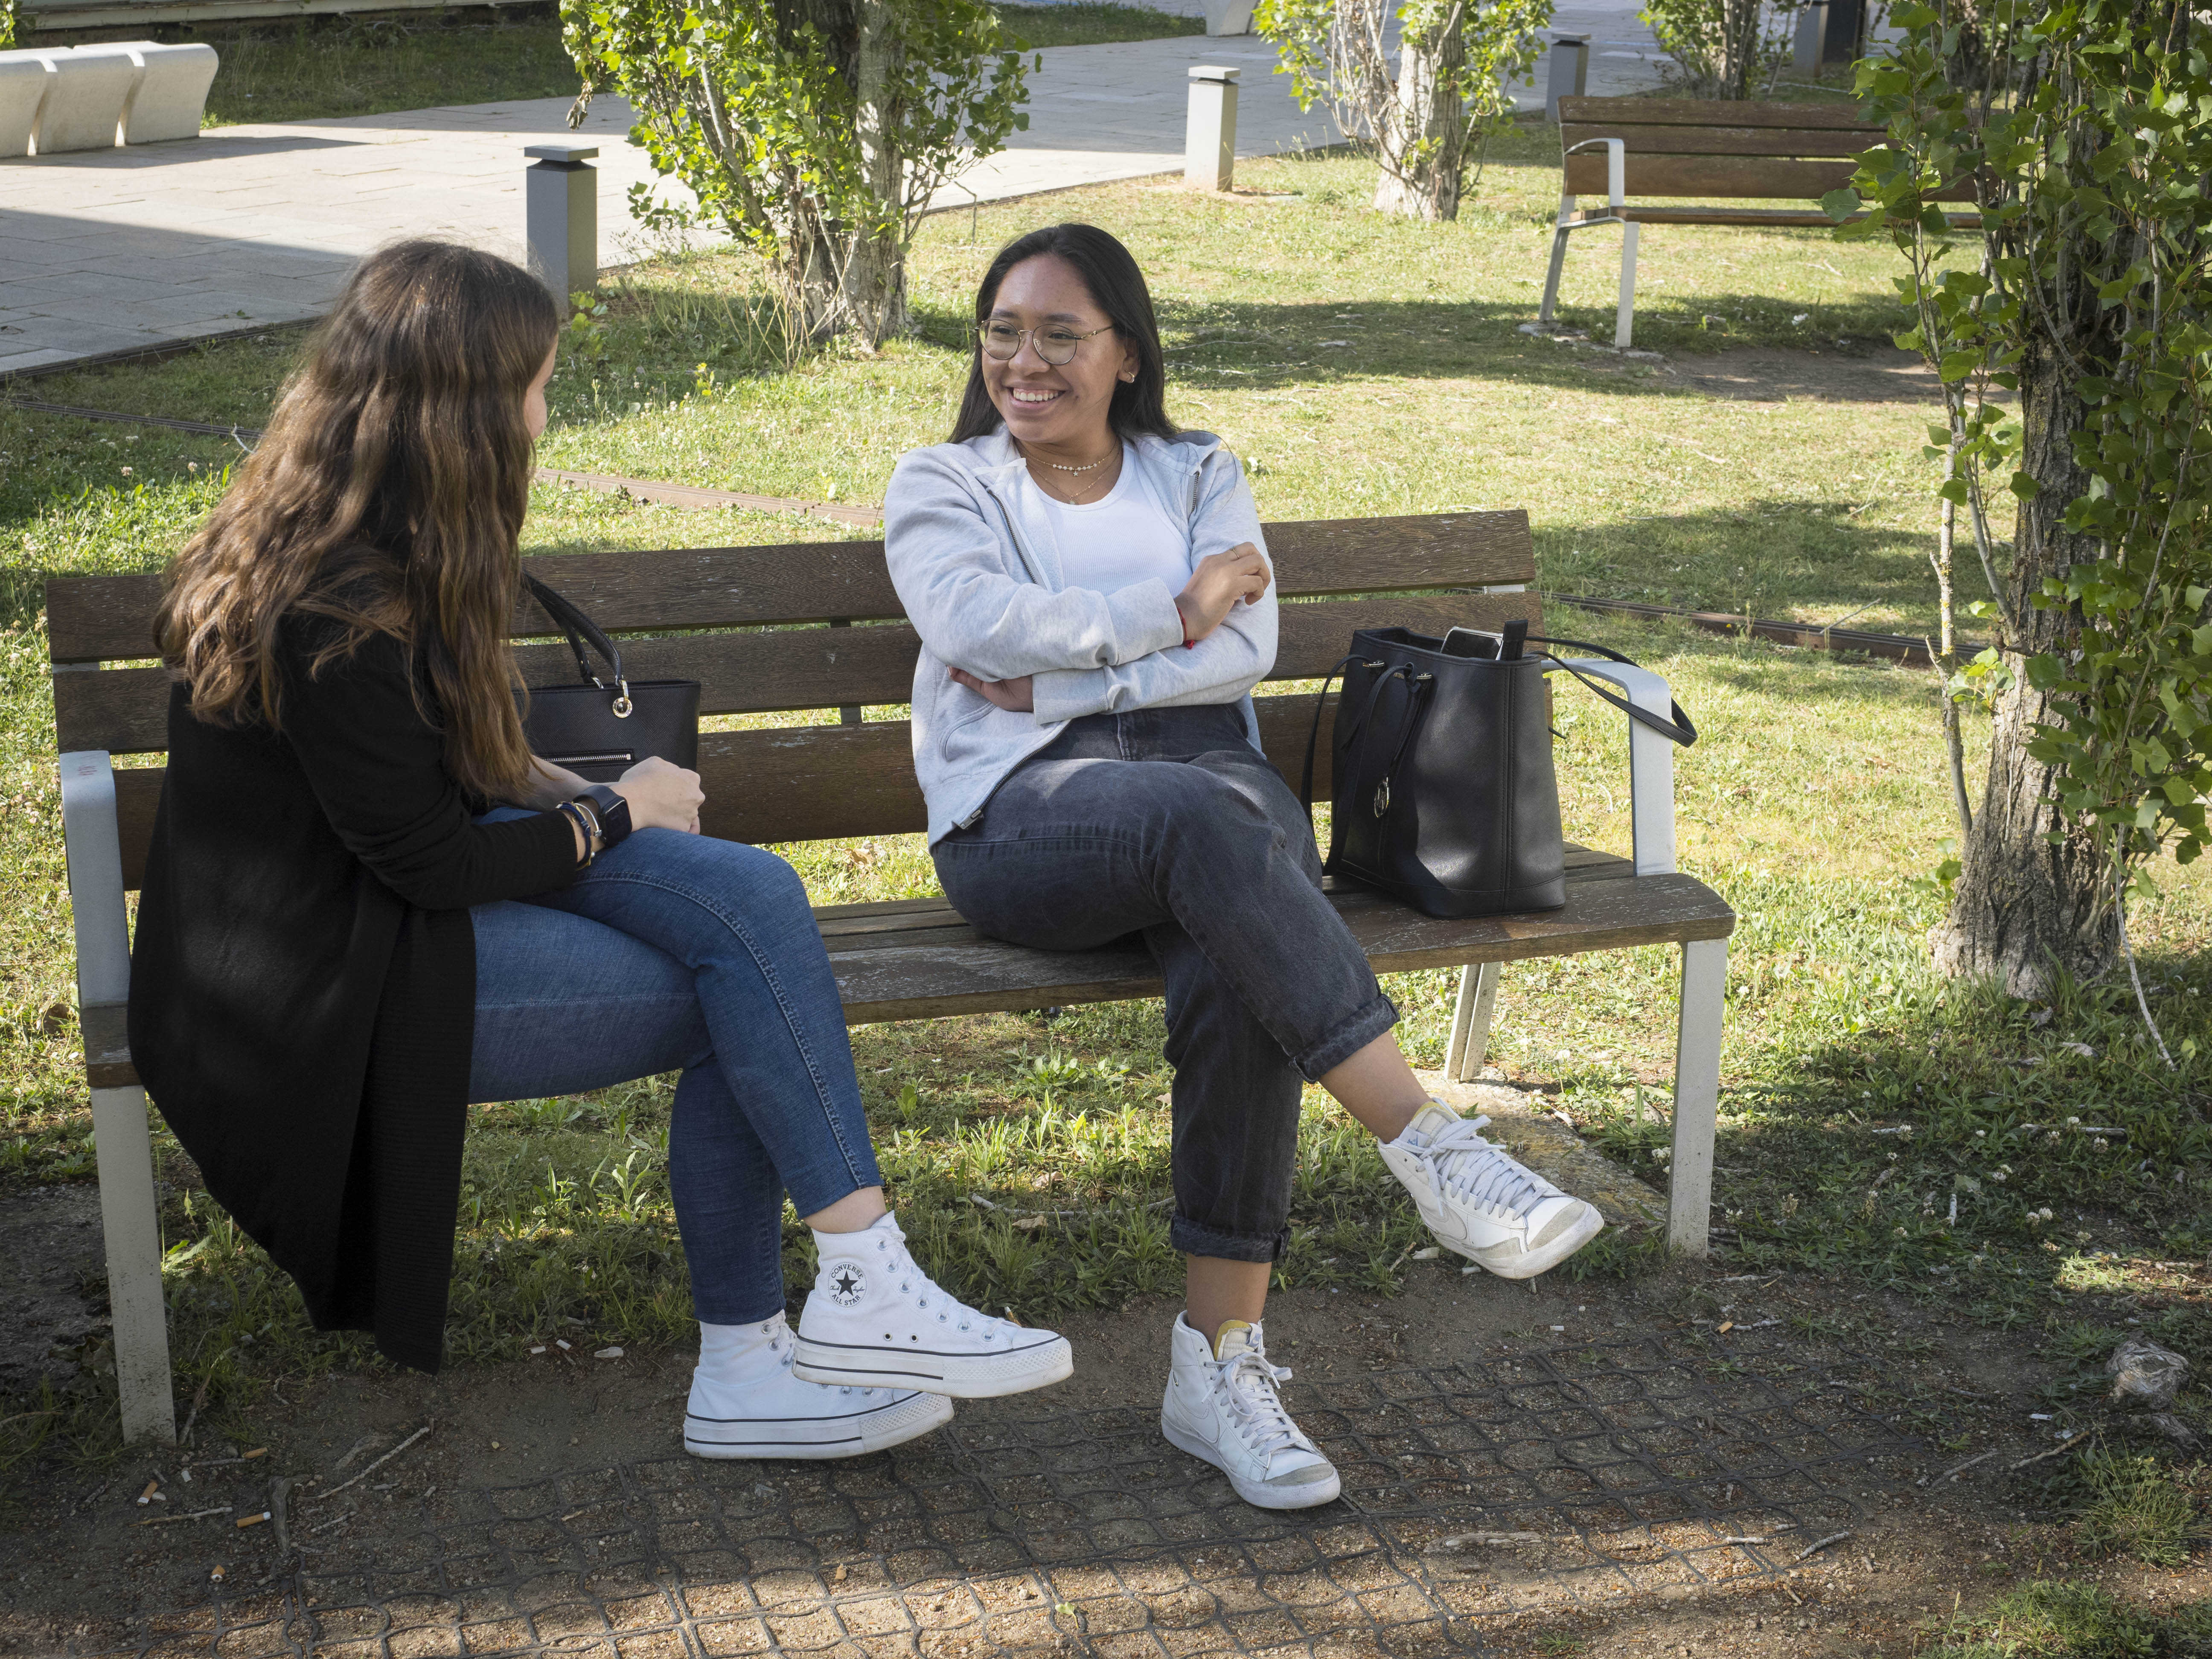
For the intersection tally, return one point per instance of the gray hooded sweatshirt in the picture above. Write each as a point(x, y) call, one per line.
point(975, 563)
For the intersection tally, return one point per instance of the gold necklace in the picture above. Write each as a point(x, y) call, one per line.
point(1080, 490)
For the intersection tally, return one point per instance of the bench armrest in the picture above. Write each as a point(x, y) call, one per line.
point(94, 844)
point(1615, 169)
point(1650, 762)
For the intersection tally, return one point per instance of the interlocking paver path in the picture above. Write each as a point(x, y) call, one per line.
point(109, 251)
point(1474, 1496)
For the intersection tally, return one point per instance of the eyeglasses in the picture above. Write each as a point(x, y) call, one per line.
point(1055, 344)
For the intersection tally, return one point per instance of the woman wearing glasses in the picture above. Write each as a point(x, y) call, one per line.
point(1095, 604)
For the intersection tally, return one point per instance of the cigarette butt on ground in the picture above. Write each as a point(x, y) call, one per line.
point(1727, 1325)
point(253, 1520)
point(258, 1451)
point(152, 1486)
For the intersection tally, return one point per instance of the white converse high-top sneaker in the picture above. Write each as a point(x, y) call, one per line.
point(1222, 1407)
point(875, 1318)
point(745, 1403)
point(1480, 1202)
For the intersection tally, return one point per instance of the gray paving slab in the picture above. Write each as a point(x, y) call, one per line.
point(101, 250)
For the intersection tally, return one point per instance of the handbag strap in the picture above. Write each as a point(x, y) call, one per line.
point(1679, 728)
point(1313, 738)
point(579, 628)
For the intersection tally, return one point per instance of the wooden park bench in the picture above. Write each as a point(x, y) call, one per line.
point(1717, 152)
point(761, 649)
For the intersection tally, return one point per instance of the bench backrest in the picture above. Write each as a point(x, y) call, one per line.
point(815, 628)
point(1712, 149)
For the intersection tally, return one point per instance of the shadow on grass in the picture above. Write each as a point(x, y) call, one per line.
point(1788, 559)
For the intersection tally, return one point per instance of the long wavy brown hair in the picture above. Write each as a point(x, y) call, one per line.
point(388, 497)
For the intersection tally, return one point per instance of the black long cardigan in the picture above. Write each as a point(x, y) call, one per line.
point(303, 984)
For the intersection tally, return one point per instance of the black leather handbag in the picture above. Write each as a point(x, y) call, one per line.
point(1445, 797)
point(600, 731)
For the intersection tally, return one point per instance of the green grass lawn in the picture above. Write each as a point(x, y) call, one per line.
point(1363, 366)
point(322, 69)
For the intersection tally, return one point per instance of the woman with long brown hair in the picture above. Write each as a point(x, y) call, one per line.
point(367, 904)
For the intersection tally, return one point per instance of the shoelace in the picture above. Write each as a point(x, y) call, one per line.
point(1248, 1382)
point(950, 1307)
point(787, 1355)
point(1460, 1158)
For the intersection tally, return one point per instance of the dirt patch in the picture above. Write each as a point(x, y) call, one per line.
point(1771, 374)
point(1604, 1441)
point(53, 1282)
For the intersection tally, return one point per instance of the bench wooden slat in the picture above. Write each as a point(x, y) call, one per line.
point(1605, 114)
point(917, 959)
point(952, 971)
point(109, 618)
point(1658, 140)
point(1758, 177)
point(125, 711)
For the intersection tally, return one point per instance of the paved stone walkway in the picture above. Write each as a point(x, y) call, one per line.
point(1475, 1497)
point(111, 251)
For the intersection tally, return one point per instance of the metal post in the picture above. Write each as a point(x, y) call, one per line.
point(1812, 32)
point(1569, 74)
point(1471, 1018)
point(1209, 151)
point(1697, 1094)
point(1842, 39)
point(561, 210)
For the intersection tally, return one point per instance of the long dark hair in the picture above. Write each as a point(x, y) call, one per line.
point(1117, 288)
point(388, 497)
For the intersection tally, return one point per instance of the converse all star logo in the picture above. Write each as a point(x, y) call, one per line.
point(847, 1285)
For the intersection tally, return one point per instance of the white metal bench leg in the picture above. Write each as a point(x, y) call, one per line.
point(1625, 323)
point(129, 1220)
point(1559, 263)
point(1471, 1016)
point(1697, 1094)
point(120, 1140)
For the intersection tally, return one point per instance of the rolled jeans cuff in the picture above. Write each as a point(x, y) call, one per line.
point(1187, 1237)
point(1346, 1038)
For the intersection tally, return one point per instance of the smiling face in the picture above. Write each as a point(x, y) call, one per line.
point(1058, 410)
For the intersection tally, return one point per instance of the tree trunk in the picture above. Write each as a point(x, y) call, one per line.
point(2023, 907)
point(875, 270)
point(1424, 140)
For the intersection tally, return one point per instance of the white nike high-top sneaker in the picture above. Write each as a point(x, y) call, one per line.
point(1482, 1203)
point(1221, 1405)
point(745, 1403)
point(874, 1318)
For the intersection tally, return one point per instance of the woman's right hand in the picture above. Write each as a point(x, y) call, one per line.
point(662, 795)
point(1219, 582)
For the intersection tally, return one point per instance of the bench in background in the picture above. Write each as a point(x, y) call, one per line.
point(58, 99)
point(907, 959)
point(1719, 152)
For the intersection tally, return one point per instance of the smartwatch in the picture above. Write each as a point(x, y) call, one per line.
point(611, 810)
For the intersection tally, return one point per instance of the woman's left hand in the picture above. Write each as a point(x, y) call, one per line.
point(1012, 696)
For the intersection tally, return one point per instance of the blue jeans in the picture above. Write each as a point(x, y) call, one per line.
point(679, 952)
point(1165, 822)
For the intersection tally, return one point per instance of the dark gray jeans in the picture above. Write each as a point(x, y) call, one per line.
point(1166, 822)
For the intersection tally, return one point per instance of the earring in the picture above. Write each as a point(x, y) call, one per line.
point(1132, 378)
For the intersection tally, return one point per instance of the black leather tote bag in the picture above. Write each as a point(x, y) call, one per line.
point(600, 731)
point(1445, 796)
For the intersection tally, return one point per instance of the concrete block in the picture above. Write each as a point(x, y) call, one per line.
point(172, 92)
point(1209, 149)
point(85, 101)
point(1567, 73)
point(24, 78)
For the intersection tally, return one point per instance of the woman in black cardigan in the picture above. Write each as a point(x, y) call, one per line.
point(367, 904)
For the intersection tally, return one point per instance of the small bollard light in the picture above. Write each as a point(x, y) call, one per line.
point(1209, 149)
point(561, 214)
point(1811, 34)
point(1569, 72)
